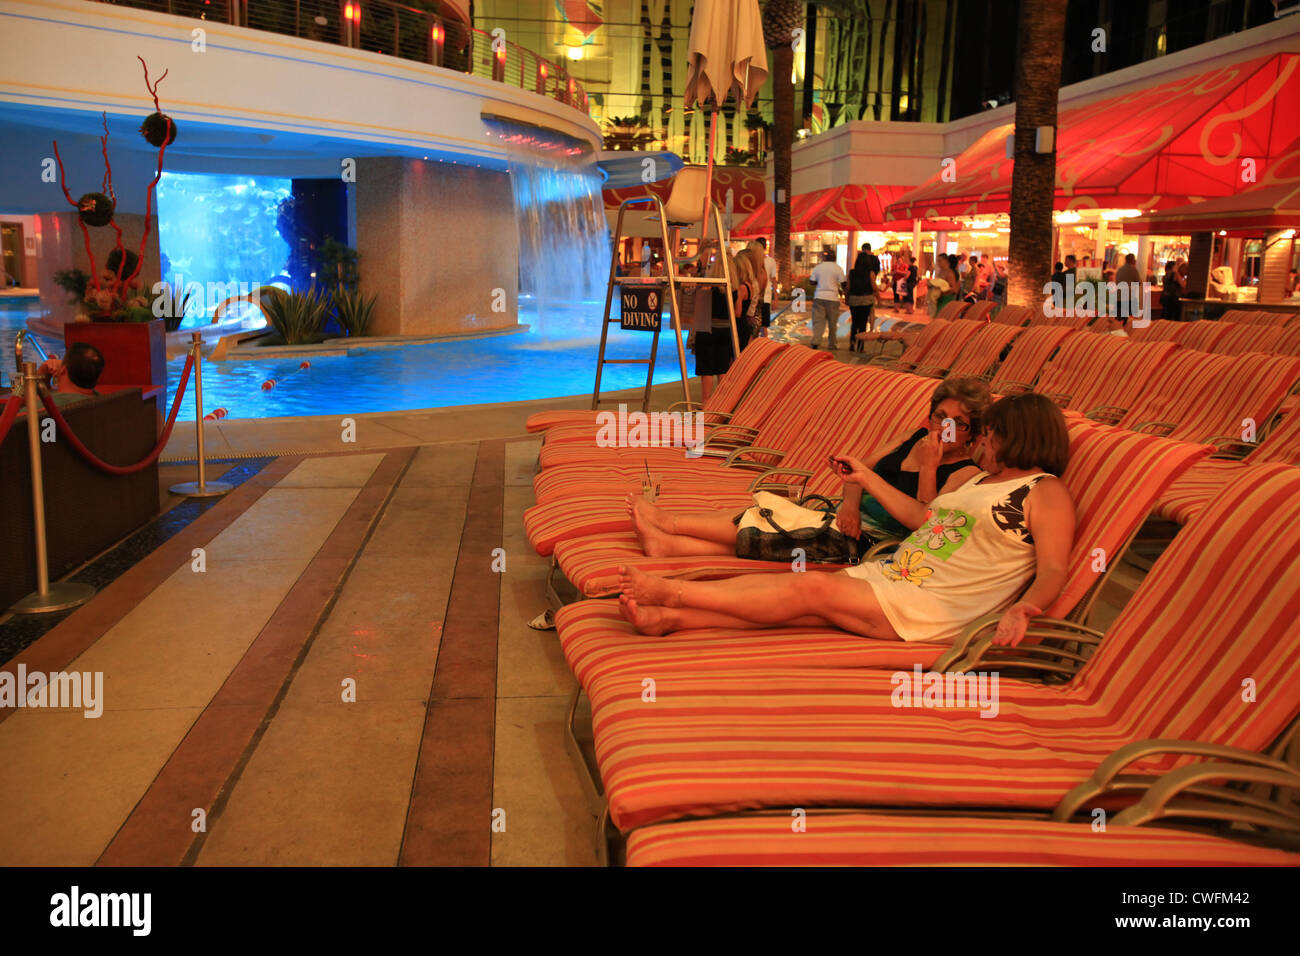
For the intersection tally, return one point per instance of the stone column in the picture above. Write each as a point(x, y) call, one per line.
point(438, 246)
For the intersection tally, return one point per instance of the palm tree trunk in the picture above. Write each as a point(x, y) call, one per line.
point(1033, 182)
point(782, 142)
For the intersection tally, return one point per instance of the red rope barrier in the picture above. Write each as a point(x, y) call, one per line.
point(145, 462)
point(12, 404)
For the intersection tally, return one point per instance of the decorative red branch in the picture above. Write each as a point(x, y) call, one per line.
point(153, 186)
point(107, 189)
point(63, 184)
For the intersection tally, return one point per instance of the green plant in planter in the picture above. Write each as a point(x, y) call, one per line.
point(73, 282)
point(297, 317)
point(354, 311)
point(338, 265)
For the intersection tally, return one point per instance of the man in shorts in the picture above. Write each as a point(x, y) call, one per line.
point(829, 279)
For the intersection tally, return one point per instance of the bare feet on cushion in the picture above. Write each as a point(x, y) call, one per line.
point(654, 540)
point(644, 512)
point(648, 590)
point(647, 620)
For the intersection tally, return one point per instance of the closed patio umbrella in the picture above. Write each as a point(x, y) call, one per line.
point(727, 57)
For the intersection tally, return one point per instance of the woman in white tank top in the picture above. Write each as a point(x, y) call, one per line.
point(975, 548)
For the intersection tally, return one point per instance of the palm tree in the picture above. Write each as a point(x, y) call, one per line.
point(780, 18)
point(1040, 46)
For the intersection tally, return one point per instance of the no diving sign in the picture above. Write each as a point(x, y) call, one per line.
point(641, 307)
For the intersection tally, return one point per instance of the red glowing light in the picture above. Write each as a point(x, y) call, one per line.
point(501, 53)
point(437, 33)
point(542, 70)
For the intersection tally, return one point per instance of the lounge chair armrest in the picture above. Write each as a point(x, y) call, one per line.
point(730, 434)
point(1005, 386)
point(1163, 429)
point(1228, 447)
point(1061, 398)
point(879, 549)
point(1108, 414)
point(1108, 774)
point(712, 418)
point(930, 371)
point(1049, 654)
point(1160, 800)
point(765, 482)
point(734, 460)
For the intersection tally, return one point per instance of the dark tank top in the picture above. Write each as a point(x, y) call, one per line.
point(890, 469)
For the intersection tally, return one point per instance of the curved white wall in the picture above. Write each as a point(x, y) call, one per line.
point(252, 101)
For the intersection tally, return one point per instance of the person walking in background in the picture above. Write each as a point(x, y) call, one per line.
point(910, 282)
point(861, 296)
point(770, 272)
point(1170, 292)
point(828, 278)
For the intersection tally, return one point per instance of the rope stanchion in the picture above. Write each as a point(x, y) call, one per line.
point(201, 488)
point(7, 417)
point(94, 460)
point(60, 595)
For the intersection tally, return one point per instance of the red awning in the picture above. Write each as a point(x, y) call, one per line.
point(839, 209)
point(745, 184)
point(1250, 212)
point(1202, 134)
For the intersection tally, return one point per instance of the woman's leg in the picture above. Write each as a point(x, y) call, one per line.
point(769, 600)
point(655, 621)
point(663, 534)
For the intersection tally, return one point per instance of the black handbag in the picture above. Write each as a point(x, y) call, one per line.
point(775, 527)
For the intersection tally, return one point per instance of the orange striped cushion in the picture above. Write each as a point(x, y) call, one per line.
point(1028, 356)
point(784, 373)
point(814, 383)
point(1013, 315)
point(730, 390)
point(1185, 498)
point(1096, 370)
point(1241, 338)
point(863, 839)
point(1202, 335)
point(1212, 395)
point(947, 347)
point(1288, 342)
point(979, 311)
point(1160, 330)
point(1206, 619)
point(982, 351)
point(1254, 317)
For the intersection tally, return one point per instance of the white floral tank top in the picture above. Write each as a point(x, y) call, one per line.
point(973, 556)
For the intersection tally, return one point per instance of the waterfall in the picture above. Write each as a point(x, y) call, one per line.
point(564, 244)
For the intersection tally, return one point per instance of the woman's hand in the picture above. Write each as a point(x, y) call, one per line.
point(858, 474)
point(849, 520)
point(1015, 620)
point(929, 451)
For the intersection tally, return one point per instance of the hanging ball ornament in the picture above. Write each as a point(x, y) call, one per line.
point(95, 209)
point(155, 128)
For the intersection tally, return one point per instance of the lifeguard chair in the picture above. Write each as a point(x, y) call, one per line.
point(685, 207)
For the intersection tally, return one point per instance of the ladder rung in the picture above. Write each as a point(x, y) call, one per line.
point(625, 361)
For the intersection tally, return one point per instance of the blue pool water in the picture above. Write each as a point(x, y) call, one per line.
point(507, 368)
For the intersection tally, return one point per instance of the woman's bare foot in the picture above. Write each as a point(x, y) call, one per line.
point(647, 620)
point(648, 590)
point(655, 542)
point(644, 512)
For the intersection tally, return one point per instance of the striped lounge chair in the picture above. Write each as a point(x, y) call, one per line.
point(1027, 358)
point(984, 350)
point(576, 444)
point(1255, 317)
point(1202, 336)
point(1207, 653)
point(751, 362)
point(1241, 338)
point(1099, 371)
point(947, 348)
point(916, 350)
point(879, 412)
point(979, 311)
point(1196, 396)
point(873, 839)
point(1013, 315)
point(597, 642)
point(731, 391)
point(1203, 482)
point(1288, 342)
point(822, 416)
point(767, 420)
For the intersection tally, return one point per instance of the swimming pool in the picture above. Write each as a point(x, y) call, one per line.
point(506, 368)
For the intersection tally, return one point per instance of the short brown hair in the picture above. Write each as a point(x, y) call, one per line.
point(1033, 432)
point(973, 393)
